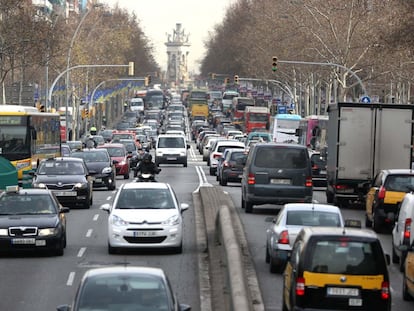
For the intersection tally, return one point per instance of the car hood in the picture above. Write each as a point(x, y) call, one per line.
point(64, 179)
point(42, 221)
point(97, 167)
point(145, 215)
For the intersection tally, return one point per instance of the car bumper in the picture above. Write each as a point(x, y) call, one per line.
point(102, 180)
point(234, 176)
point(72, 199)
point(8, 244)
point(122, 169)
point(270, 195)
point(156, 237)
point(171, 159)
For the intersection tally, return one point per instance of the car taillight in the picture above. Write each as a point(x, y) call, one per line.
point(284, 237)
point(300, 286)
point(308, 182)
point(385, 290)
point(381, 193)
point(407, 229)
point(250, 179)
point(216, 155)
point(226, 164)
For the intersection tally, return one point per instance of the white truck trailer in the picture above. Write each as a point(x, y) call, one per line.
point(362, 140)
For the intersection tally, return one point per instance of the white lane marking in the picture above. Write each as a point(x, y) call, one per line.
point(202, 179)
point(81, 251)
point(95, 217)
point(89, 233)
point(108, 198)
point(71, 277)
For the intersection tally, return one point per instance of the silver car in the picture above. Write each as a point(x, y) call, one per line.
point(145, 215)
point(282, 233)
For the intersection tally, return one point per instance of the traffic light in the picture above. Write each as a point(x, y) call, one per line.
point(274, 63)
point(213, 76)
point(227, 80)
point(149, 79)
point(85, 113)
point(130, 68)
point(236, 79)
point(146, 81)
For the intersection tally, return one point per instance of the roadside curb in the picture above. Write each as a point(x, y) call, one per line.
point(231, 274)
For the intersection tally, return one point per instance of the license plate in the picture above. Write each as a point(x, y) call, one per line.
point(40, 242)
point(65, 193)
point(240, 176)
point(24, 241)
point(98, 180)
point(355, 302)
point(345, 190)
point(144, 233)
point(171, 159)
point(343, 291)
point(322, 172)
point(280, 181)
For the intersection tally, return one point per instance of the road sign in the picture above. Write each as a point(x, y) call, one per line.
point(365, 99)
point(281, 109)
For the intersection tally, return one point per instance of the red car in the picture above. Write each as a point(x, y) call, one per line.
point(119, 154)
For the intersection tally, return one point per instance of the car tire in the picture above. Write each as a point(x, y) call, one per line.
point(223, 181)
point(126, 176)
point(405, 294)
point(394, 257)
point(112, 186)
point(248, 207)
point(377, 225)
point(329, 197)
point(273, 267)
point(112, 250)
point(243, 203)
point(212, 172)
point(368, 223)
point(185, 164)
point(267, 256)
point(178, 249)
point(60, 249)
point(87, 204)
point(402, 261)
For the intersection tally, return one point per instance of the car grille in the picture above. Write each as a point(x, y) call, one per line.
point(22, 231)
point(144, 240)
point(60, 187)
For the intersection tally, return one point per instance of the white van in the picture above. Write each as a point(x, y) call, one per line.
point(136, 104)
point(171, 149)
point(402, 233)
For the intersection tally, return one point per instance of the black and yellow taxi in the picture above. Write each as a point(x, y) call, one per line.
point(408, 274)
point(384, 197)
point(336, 269)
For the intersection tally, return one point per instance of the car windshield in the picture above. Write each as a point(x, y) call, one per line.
point(61, 168)
point(26, 204)
point(313, 218)
point(124, 292)
point(346, 257)
point(145, 199)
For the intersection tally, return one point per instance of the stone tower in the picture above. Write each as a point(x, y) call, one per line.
point(178, 47)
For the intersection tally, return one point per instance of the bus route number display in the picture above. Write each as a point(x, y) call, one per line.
point(11, 120)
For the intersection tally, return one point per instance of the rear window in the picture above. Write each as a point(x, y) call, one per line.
point(345, 256)
point(400, 183)
point(318, 160)
point(313, 218)
point(281, 158)
point(222, 148)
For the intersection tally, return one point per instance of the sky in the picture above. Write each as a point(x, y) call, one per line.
point(159, 17)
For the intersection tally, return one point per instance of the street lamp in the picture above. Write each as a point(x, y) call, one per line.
point(72, 41)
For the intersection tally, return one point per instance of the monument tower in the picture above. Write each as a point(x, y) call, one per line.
point(178, 48)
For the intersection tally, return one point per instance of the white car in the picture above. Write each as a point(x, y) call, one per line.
point(282, 233)
point(145, 215)
point(216, 151)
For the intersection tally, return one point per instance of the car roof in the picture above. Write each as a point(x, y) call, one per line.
point(311, 206)
point(63, 159)
point(398, 171)
point(89, 150)
point(29, 191)
point(145, 185)
point(355, 233)
point(124, 270)
point(108, 145)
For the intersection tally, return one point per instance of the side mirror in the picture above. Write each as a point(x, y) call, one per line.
point(106, 207)
point(184, 207)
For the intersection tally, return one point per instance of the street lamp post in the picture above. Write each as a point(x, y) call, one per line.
point(72, 42)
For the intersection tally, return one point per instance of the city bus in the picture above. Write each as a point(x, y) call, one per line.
point(28, 135)
point(313, 131)
point(284, 127)
point(198, 104)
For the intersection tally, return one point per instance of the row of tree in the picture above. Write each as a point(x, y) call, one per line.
point(373, 39)
point(32, 42)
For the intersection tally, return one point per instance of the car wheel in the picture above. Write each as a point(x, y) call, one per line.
point(178, 249)
point(64, 240)
point(274, 267)
point(243, 203)
point(394, 257)
point(329, 197)
point(112, 250)
point(60, 248)
point(126, 176)
point(402, 261)
point(208, 161)
point(267, 256)
point(185, 164)
point(377, 225)
point(87, 204)
point(405, 294)
point(223, 181)
point(212, 172)
point(248, 207)
point(112, 186)
point(368, 223)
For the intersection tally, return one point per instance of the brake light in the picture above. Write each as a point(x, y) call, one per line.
point(300, 286)
point(251, 179)
point(407, 229)
point(385, 290)
point(381, 193)
point(226, 164)
point(284, 237)
point(216, 155)
point(308, 182)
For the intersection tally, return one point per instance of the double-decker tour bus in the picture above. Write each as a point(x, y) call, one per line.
point(313, 131)
point(28, 135)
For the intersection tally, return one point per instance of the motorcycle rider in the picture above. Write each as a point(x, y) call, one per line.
point(146, 166)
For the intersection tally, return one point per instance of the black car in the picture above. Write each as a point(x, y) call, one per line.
point(100, 165)
point(68, 178)
point(32, 219)
point(230, 167)
point(318, 169)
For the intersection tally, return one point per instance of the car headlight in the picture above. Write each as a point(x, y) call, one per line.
point(107, 170)
point(118, 221)
point(172, 221)
point(48, 231)
point(81, 185)
point(182, 153)
point(4, 232)
point(39, 185)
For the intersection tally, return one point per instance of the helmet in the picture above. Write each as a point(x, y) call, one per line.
point(147, 158)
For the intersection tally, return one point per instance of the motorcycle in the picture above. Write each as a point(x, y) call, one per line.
point(146, 178)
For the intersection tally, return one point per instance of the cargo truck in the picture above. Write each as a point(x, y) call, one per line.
point(362, 140)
